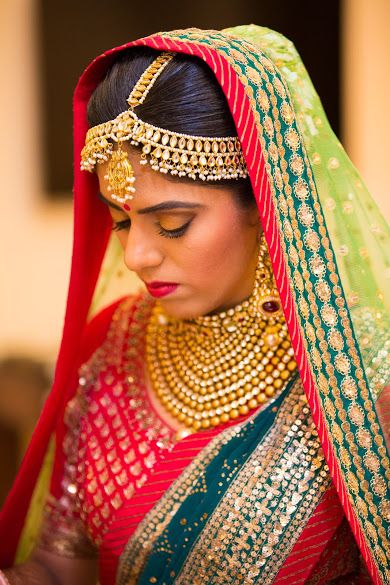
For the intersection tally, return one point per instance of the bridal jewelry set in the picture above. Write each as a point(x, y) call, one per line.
point(215, 368)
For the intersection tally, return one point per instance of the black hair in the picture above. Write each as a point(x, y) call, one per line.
point(185, 98)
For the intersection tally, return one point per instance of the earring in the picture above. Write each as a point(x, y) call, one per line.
point(266, 297)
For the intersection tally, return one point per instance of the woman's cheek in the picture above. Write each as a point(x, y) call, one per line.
point(210, 248)
point(208, 258)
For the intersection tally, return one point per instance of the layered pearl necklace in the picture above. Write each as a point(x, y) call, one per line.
point(212, 369)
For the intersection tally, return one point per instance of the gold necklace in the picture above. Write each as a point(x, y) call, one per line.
point(212, 369)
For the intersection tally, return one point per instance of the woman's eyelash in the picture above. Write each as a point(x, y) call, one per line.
point(121, 225)
point(176, 233)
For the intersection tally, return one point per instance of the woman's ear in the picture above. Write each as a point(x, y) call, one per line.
point(259, 233)
point(253, 217)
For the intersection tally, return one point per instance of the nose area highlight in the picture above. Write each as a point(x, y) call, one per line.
point(140, 253)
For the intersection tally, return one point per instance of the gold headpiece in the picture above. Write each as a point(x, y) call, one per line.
point(206, 158)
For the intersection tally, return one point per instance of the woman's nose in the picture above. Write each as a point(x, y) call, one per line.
point(140, 252)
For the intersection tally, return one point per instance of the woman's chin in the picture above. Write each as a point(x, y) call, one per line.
point(181, 309)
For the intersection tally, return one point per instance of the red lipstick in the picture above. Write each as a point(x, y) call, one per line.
point(161, 289)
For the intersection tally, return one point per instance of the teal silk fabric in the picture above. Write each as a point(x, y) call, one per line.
point(209, 488)
point(235, 507)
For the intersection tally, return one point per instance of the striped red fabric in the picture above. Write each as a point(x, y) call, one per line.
point(133, 511)
point(320, 529)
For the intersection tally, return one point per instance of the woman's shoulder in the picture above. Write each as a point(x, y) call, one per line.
point(113, 339)
point(111, 330)
point(111, 319)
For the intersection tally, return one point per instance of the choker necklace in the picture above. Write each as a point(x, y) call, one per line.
point(212, 369)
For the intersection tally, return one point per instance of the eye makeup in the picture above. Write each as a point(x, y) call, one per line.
point(176, 233)
point(172, 233)
point(121, 225)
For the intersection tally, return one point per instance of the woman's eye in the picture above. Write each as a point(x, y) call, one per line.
point(175, 233)
point(171, 233)
point(121, 225)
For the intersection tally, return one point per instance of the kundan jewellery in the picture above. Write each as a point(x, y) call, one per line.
point(211, 369)
point(204, 157)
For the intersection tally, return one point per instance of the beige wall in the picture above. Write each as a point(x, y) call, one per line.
point(36, 235)
point(366, 91)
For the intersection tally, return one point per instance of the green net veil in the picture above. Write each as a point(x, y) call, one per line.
point(359, 233)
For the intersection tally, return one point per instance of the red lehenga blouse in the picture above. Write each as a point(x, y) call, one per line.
point(115, 458)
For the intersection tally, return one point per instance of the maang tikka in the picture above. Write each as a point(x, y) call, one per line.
point(206, 158)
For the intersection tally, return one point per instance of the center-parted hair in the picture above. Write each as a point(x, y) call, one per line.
point(186, 98)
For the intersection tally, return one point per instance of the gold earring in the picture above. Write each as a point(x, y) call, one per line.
point(266, 297)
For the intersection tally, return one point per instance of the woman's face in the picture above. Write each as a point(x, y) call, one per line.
point(192, 244)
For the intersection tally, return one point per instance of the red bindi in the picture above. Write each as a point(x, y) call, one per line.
point(126, 207)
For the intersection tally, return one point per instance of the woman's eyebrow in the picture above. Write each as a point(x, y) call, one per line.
point(163, 206)
point(169, 205)
point(109, 203)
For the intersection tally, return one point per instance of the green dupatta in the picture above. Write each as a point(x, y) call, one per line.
point(326, 240)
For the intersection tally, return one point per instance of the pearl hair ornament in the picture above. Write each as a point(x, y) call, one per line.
point(182, 155)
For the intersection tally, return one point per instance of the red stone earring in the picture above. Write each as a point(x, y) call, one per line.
point(266, 294)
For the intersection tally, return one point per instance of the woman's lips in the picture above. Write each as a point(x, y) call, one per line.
point(161, 289)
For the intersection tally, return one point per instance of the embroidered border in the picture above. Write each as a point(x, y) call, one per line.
point(135, 553)
point(330, 347)
point(268, 503)
point(253, 530)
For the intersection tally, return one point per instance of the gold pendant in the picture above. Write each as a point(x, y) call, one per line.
point(120, 176)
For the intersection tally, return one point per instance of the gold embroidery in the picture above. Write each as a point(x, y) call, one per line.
point(342, 363)
point(278, 180)
point(253, 74)
point(317, 265)
point(287, 206)
point(288, 231)
point(292, 138)
point(296, 164)
point(371, 461)
point(269, 502)
point(329, 315)
point(279, 87)
point(335, 339)
point(286, 113)
point(135, 553)
point(261, 513)
point(349, 388)
point(263, 100)
point(301, 189)
point(268, 126)
point(273, 152)
point(305, 215)
point(98, 475)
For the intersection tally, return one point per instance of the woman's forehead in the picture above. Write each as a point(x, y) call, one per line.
point(153, 187)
